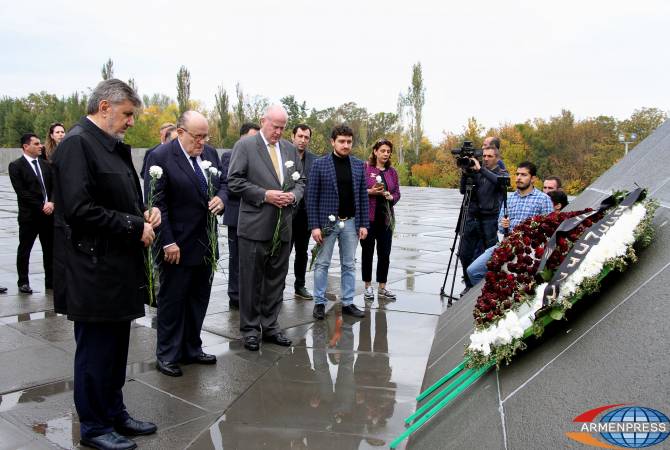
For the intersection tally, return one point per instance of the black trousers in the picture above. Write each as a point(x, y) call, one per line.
point(99, 375)
point(478, 235)
point(182, 304)
point(380, 233)
point(233, 266)
point(300, 241)
point(261, 286)
point(28, 232)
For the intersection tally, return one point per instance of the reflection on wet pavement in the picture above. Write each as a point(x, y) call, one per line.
point(345, 383)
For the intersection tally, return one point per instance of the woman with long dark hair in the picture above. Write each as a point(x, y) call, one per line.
point(55, 135)
point(383, 194)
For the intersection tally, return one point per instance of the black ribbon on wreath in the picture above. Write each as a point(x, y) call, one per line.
point(584, 244)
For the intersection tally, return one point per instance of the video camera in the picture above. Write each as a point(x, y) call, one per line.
point(465, 154)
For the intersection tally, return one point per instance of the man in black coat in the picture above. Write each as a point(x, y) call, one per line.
point(101, 230)
point(230, 215)
point(302, 134)
point(184, 197)
point(31, 178)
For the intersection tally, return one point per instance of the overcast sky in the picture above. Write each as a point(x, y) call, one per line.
point(499, 61)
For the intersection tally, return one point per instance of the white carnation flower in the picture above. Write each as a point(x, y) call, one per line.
point(340, 224)
point(331, 218)
point(214, 171)
point(205, 164)
point(379, 178)
point(295, 175)
point(289, 164)
point(155, 172)
point(480, 342)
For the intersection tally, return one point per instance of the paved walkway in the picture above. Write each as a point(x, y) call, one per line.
point(345, 384)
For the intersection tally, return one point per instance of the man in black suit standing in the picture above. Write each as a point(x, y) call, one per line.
point(267, 174)
point(31, 178)
point(100, 232)
point(183, 197)
point(302, 134)
point(230, 215)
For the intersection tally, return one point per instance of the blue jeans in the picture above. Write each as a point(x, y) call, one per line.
point(477, 270)
point(347, 239)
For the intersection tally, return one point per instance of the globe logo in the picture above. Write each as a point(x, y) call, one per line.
point(635, 427)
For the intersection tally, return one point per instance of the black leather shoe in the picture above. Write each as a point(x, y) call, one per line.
point(319, 312)
point(303, 293)
point(279, 339)
point(169, 368)
point(109, 441)
point(352, 310)
point(25, 289)
point(132, 427)
point(251, 343)
point(202, 358)
point(3, 289)
point(465, 291)
point(232, 304)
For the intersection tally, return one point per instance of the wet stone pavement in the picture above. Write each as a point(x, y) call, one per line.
point(345, 384)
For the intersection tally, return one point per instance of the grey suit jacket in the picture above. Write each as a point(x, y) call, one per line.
point(251, 174)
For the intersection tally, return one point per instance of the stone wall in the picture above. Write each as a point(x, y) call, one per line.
point(8, 155)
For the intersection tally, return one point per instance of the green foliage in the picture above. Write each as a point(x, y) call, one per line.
point(183, 89)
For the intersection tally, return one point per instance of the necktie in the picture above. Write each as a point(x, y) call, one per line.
point(39, 177)
point(275, 161)
point(202, 182)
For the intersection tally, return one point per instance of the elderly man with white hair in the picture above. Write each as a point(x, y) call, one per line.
point(266, 172)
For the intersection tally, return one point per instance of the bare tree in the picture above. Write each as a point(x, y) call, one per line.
point(183, 89)
point(108, 69)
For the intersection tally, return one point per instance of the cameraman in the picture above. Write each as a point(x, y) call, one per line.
point(481, 221)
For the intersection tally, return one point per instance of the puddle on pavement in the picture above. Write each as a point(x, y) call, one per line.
point(35, 395)
point(27, 317)
point(63, 431)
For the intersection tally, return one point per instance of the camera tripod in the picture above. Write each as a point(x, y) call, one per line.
point(458, 237)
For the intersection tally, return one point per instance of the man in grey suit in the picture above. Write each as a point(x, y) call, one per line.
point(266, 173)
point(230, 216)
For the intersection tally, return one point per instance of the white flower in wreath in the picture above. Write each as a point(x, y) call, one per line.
point(295, 175)
point(331, 218)
point(479, 342)
point(205, 165)
point(155, 172)
point(340, 224)
point(289, 164)
point(378, 179)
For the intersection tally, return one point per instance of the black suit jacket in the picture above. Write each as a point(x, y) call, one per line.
point(231, 201)
point(183, 206)
point(28, 189)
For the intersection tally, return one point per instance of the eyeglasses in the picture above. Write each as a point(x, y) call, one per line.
point(198, 137)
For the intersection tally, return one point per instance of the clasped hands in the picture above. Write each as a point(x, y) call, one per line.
point(279, 199)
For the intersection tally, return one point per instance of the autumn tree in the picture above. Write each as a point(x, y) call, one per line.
point(223, 119)
point(107, 70)
point(183, 89)
point(416, 98)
